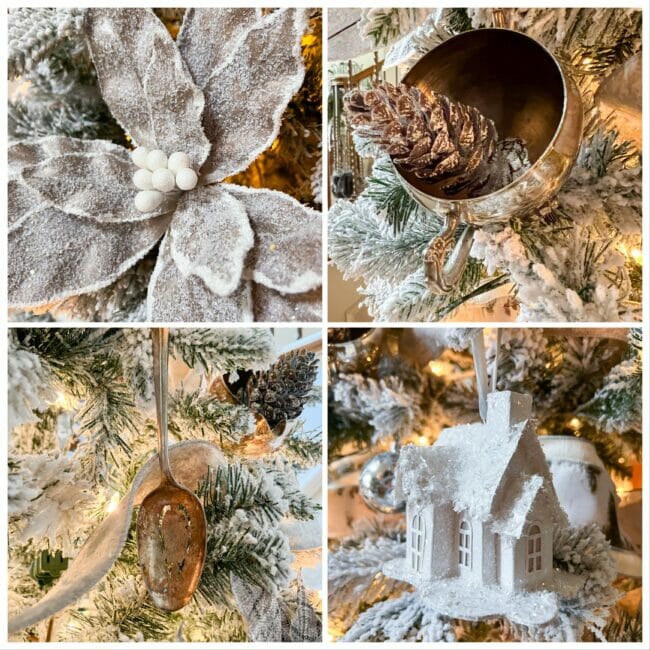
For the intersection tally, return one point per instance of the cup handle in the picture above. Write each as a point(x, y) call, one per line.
point(444, 271)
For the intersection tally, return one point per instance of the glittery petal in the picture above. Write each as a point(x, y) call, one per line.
point(202, 50)
point(271, 306)
point(210, 236)
point(246, 97)
point(287, 255)
point(53, 255)
point(93, 185)
point(21, 201)
point(31, 152)
point(173, 297)
point(145, 82)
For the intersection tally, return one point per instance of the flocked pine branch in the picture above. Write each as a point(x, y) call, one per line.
point(28, 387)
point(84, 365)
point(242, 510)
point(362, 245)
point(405, 618)
point(224, 350)
point(385, 404)
point(298, 505)
point(302, 448)
point(200, 415)
point(390, 197)
point(354, 573)
point(382, 26)
point(122, 610)
point(598, 30)
point(617, 406)
point(232, 488)
point(34, 33)
point(262, 560)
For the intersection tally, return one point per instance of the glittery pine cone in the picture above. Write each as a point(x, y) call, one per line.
point(281, 392)
point(445, 143)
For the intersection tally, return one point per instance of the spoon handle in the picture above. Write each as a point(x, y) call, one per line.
point(160, 348)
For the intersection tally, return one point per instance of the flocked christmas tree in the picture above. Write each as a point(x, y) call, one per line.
point(585, 387)
point(582, 260)
point(82, 428)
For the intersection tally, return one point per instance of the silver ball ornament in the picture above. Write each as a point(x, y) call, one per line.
point(377, 483)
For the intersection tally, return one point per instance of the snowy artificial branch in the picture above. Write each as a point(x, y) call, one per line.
point(34, 33)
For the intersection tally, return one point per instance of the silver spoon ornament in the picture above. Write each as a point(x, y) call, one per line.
point(171, 526)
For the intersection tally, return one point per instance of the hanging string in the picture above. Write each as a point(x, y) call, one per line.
point(495, 367)
point(480, 366)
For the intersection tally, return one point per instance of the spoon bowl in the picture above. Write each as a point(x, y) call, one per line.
point(171, 544)
point(171, 527)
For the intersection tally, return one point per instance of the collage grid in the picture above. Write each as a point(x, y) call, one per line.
point(289, 361)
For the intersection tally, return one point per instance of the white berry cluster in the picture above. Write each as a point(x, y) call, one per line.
point(159, 174)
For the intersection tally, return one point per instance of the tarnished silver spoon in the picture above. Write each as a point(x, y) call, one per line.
point(171, 528)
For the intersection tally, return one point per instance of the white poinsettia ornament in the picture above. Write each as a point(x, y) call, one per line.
point(198, 110)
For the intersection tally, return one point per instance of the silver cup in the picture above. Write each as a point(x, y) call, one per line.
point(518, 83)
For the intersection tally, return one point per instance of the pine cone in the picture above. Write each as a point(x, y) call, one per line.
point(280, 392)
point(441, 141)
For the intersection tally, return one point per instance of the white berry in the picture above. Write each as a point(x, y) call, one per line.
point(186, 179)
point(156, 159)
point(163, 180)
point(139, 156)
point(142, 179)
point(148, 200)
point(178, 160)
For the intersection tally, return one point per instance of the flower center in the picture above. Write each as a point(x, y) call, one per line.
point(158, 175)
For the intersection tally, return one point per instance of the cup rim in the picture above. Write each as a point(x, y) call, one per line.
point(468, 202)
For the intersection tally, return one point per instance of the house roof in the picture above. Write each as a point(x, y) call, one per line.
point(468, 464)
point(511, 516)
point(465, 465)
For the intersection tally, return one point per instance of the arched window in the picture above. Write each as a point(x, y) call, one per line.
point(534, 549)
point(465, 544)
point(418, 538)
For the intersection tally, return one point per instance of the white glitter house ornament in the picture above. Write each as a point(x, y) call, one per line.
point(481, 513)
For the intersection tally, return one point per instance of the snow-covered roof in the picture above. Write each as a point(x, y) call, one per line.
point(467, 464)
point(511, 515)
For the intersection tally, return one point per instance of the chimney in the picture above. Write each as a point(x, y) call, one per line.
point(506, 408)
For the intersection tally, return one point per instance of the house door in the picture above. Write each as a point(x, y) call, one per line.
point(418, 538)
point(464, 547)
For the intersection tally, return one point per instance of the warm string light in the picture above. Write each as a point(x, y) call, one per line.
point(437, 368)
point(111, 506)
point(575, 423)
point(64, 402)
point(633, 253)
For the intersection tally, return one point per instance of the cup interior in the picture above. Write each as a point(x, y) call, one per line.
point(508, 76)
